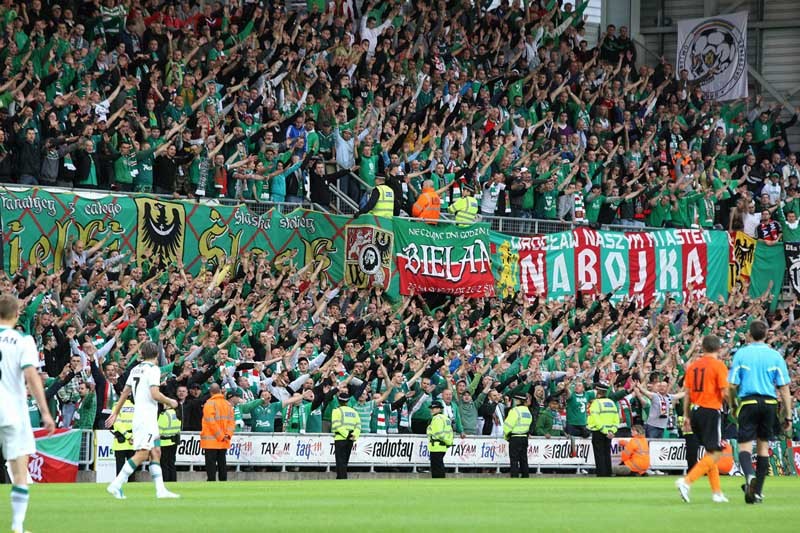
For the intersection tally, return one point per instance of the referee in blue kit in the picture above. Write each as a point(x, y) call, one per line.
point(756, 373)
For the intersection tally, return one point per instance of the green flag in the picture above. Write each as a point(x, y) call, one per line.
point(769, 266)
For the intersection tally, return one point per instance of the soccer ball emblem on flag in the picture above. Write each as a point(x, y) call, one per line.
point(714, 53)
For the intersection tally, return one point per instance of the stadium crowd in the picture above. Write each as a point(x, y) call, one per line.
point(247, 100)
point(282, 343)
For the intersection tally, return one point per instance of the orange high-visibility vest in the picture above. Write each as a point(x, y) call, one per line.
point(636, 455)
point(218, 424)
point(428, 205)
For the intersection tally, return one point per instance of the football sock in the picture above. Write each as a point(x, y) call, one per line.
point(746, 464)
point(762, 467)
point(713, 479)
point(19, 506)
point(122, 478)
point(158, 479)
point(699, 469)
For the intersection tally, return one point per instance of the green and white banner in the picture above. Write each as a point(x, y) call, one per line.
point(38, 225)
point(399, 255)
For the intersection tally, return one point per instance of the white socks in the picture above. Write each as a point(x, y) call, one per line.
point(128, 468)
point(158, 479)
point(19, 506)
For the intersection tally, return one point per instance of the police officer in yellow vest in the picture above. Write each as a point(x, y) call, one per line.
point(123, 435)
point(440, 437)
point(169, 428)
point(465, 208)
point(515, 430)
point(381, 202)
point(603, 422)
point(346, 427)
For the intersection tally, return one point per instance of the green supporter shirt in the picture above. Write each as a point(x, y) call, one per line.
point(684, 212)
point(761, 130)
point(659, 214)
point(368, 168)
point(85, 415)
point(296, 417)
point(144, 164)
point(705, 209)
point(577, 406)
point(593, 205)
point(548, 205)
point(262, 417)
point(125, 169)
point(792, 204)
point(790, 234)
point(550, 422)
point(365, 411)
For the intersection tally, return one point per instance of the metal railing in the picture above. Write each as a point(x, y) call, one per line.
point(343, 204)
point(86, 455)
point(256, 206)
point(516, 226)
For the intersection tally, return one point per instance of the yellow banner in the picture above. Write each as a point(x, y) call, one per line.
point(740, 264)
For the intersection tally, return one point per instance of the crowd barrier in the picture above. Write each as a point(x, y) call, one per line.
point(400, 451)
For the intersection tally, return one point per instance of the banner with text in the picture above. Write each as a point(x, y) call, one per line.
point(276, 449)
point(444, 259)
point(642, 266)
point(399, 255)
point(39, 224)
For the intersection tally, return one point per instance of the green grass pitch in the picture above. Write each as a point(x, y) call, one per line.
point(499, 504)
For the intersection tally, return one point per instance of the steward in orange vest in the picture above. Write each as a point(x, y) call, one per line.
point(428, 205)
point(218, 424)
point(635, 456)
point(216, 433)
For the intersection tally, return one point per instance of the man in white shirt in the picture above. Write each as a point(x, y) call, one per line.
point(143, 382)
point(369, 32)
point(491, 194)
point(751, 219)
point(19, 359)
point(772, 188)
point(791, 168)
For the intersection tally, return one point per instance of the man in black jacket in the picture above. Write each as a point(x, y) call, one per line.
point(87, 166)
point(29, 158)
point(165, 169)
point(319, 180)
point(190, 407)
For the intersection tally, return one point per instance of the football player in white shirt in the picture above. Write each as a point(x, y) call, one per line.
point(143, 382)
point(19, 360)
